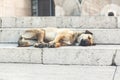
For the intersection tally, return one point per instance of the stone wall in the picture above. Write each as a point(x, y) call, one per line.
point(67, 8)
point(103, 28)
point(62, 7)
point(15, 7)
point(100, 7)
point(83, 22)
point(87, 7)
point(106, 32)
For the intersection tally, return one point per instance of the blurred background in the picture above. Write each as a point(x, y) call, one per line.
point(59, 7)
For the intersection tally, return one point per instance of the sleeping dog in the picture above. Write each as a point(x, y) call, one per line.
point(54, 37)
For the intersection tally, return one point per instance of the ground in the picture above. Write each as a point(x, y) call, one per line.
point(21, 71)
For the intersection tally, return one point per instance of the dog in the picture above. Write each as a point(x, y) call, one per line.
point(54, 37)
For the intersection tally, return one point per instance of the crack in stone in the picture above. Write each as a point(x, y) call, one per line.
point(42, 56)
point(116, 22)
point(29, 56)
point(114, 73)
point(113, 59)
point(0, 23)
point(79, 2)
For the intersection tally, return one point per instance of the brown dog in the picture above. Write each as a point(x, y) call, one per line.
point(53, 37)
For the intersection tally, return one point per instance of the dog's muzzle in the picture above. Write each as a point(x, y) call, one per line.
point(84, 42)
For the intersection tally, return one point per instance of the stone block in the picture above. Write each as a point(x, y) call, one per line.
point(87, 22)
point(24, 22)
point(77, 55)
point(117, 57)
point(14, 55)
point(10, 35)
point(118, 22)
point(55, 72)
point(38, 22)
point(0, 22)
point(63, 22)
point(117, 73)
point(8, 21)
point(50, 21)
point(36, 56)
point(83, 22)
point(20, 55)
point(106, 36)
point(101, 22)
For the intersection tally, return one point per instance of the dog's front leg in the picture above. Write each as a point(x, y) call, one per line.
point(56, 42)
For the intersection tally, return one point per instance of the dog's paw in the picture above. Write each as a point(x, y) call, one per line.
point(38, 45)
point(45, 44)
point(51, 45)
point(41, 45)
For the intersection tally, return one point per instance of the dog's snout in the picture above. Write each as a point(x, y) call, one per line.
point(84, 42)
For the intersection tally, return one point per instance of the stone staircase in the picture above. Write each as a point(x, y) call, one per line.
point(105, 54)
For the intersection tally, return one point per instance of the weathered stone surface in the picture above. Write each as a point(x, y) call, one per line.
point(94, 22)
point(15, 8)
point(93, 7)
point(106, 36)
point(24, 55)
point(36, 56)
point(85, 22)
point(63, 22)
point(118, 20)
point(14, 55)
point(77, 55)
point(9, 35)
point(38, 22)
point(50, 21)
point(100, 7)
point(8, 21)
point(116, 2)
point(117, 73)
point(92, 55)
point(88, 22)
point(24, 22)
point(98, 22)
point(53, 72)
point(114, 8)
point(67, 8)
point(117, 57)
point(0, 22)
point(35, 22)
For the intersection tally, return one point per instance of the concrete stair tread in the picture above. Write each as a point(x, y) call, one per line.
point(57, 72)
point(10, 45)
point(98, 55)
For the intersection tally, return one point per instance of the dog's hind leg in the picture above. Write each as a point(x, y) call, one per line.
point(41, 37)
point(25, 43)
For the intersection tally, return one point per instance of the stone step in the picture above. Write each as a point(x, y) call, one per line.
point(83, 22)
point(101, 36)
point(99, 55)
point(56, 72)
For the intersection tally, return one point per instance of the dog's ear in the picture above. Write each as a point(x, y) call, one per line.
point(88, 32)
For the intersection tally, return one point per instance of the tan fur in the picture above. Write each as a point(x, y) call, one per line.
point(51, 37)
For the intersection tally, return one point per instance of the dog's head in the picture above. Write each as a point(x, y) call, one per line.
point(85, 39)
